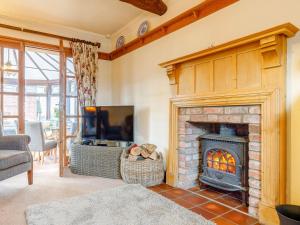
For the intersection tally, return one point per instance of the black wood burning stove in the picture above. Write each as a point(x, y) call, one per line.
point(225, 161)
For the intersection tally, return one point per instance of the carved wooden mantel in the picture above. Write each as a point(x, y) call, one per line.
point(247, 71)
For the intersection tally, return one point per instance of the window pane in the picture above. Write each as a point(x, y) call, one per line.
point(46, 60)
point(35, 108)
point(10, 81)
point(10, 126)
point(34, 74)
point(55, 89)
point(72, 126)
point(11, 59)
point(41, 65)
point(54, 112)
point(71, 87)
point(71, 106)
point(35, 89)
point(10, 105)
point(70, 67)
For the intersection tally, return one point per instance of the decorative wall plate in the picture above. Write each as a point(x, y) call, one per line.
point(120, 42)
point(143, 28)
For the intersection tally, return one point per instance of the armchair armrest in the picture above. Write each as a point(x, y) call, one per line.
point(14, 142)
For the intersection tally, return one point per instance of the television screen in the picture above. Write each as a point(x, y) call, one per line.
point(108, 123)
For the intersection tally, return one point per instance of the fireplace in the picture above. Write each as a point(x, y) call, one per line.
point(225, 161)
point(234, 77)
point(221, 147)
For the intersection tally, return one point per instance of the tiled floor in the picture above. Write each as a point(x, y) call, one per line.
point(221, 207)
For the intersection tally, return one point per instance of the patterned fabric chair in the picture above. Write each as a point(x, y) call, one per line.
point(38, 142)
point(15, 157)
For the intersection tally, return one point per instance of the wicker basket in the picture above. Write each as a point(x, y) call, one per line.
point(146, 172)
point(96, 160)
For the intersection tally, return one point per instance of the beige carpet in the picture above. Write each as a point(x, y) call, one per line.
point(16, 195)
point(130, 204)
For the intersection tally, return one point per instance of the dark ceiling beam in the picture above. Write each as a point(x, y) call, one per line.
point(154, 6)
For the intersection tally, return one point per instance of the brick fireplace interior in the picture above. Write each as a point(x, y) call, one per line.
point(198, 124)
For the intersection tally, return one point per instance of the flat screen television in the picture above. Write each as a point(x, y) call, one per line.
point(114, 123)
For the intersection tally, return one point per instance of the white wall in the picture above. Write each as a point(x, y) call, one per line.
point(138, 80)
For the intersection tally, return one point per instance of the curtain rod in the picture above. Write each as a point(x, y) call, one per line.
point(48, 34)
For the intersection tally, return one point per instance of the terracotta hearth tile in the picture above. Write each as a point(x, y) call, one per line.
point(210, 193)
point(198, 188)
point(215, 208)
point(174, 193)
point(227, 200)
point(155, 189)
point(207, 215)
point(243, 208)
point(165, 186)
point(194, 189)
point(168, 195)
point(240, 218)
point(222, 221)
point(183, 203)
point(194, 199)
point(177, 192)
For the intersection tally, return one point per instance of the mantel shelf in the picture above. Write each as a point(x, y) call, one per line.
point(287, 29)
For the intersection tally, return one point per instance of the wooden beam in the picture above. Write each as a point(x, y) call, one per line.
point(196, 13)
point(104, 56)
point(154, 6)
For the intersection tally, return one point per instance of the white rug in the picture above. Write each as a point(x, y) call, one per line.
point(124, 205)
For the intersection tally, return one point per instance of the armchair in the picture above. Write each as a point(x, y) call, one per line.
point(15, 157)
point(38, 142)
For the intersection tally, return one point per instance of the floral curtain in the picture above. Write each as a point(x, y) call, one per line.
point(85, 59)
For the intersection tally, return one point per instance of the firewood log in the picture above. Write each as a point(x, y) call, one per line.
point(154, 155)
point(131, 147)
point(136, 151)
point(150, 147)
point(145, 153)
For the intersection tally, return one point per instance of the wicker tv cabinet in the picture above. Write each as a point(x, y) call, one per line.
point(99, 161)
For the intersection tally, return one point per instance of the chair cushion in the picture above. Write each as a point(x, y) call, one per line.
point(10, 158)
point(50, 144)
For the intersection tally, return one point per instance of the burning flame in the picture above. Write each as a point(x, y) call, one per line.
point(221, 160)
point(90, 109)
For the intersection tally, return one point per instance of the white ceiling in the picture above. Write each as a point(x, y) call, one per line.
point(98, 16)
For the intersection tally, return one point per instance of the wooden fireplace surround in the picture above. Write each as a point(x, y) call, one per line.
point(247, 71)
